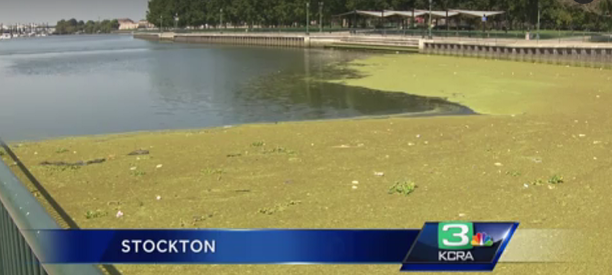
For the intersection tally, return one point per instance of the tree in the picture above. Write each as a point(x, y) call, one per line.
point(72, 26)
point(293, 12)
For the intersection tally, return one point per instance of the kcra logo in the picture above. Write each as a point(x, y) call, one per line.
point(583, 1)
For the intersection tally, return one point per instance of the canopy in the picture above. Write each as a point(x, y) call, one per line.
point(440, 13)
point(478, 13)
point(366, 13)
point(449, 13)
point(403, 13)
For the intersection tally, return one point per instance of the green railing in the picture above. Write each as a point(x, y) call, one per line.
point(21, 211)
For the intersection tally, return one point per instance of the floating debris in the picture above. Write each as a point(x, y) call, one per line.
point(582, 135)
point(158, 197)
point(344, 146)
point(498, 164)
point(139, 153)
point(355, 182)
point(133, 168)
point(158, 166)
point(596, 142)
point(119, 214)
point(78, 163)
point(354, 187)
point(379, 174)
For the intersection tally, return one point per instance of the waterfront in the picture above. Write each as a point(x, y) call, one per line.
point(86, 85)
point(540, 120)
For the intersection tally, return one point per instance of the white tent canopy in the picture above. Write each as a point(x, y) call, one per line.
point(478, 13)
point(404, 13)
point(440, 13)
point(366, 13)
point(449, 13)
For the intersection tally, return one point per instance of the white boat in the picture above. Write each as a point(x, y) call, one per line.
point(5, 36)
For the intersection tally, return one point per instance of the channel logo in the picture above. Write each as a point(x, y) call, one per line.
point(456, 239)
point(459, 245)
point(482, 239)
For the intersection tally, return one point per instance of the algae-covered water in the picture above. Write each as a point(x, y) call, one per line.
point(540, 122)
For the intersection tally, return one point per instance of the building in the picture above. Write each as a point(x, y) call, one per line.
point(144, 24)
point(127, 24)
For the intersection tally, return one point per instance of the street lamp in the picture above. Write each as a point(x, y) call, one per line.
point(429, 27)
point(220, 18)
point(307, 18)
point(320, 16)
point(539, 8)
point(176, 19)
point(161, 23)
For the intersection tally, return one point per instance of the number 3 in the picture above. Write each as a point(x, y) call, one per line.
point(462, 235)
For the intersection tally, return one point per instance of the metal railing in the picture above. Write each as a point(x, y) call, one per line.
point(21, 211)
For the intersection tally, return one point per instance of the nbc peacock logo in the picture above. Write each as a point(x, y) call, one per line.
point(482, 240)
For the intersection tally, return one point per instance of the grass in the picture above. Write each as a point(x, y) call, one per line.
point(403, 187)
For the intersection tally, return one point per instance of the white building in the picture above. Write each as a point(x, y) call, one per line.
point(127, 24)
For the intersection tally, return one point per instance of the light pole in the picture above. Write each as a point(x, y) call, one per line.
point(176, 19)
point(307, 18)
point(429, 27)
point(320, 16)
point(161, 23)
point(220, 18)
point(538, 21)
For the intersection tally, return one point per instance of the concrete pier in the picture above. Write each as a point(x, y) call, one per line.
point(552, 52)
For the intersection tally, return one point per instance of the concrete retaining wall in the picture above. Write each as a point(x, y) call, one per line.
point(599, 56)
point(587, 54)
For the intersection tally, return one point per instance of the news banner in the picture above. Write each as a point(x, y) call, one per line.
point(437, 246)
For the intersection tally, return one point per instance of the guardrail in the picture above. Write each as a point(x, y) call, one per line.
point(19, 211)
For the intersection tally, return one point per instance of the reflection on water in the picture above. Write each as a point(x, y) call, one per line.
point(82, 85)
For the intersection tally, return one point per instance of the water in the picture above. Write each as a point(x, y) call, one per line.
point(83, 85)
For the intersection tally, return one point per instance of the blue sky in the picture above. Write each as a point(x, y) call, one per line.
point(51, 11)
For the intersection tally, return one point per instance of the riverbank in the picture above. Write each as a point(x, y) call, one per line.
point(540, 122)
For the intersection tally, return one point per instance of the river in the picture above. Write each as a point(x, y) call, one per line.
point(86, 85)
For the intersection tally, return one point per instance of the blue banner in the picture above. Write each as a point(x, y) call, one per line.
point(415, 249)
